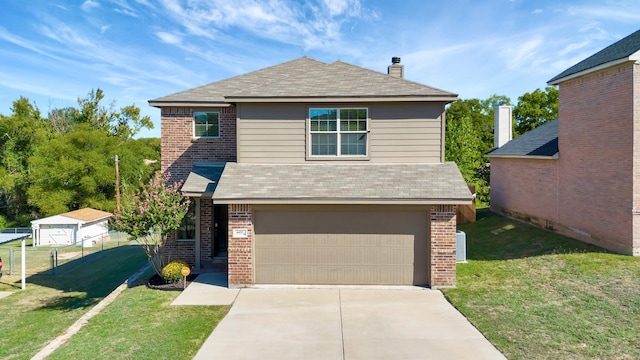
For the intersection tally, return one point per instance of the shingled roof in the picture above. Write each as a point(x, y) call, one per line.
point(307, 79)
point(438, 183)
point(541, 142)
point(627, 49)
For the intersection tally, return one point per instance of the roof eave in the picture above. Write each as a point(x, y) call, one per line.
point(633, 58)
point(186, 103)
point(341, 99)
point(535, 157)
point(360, 201)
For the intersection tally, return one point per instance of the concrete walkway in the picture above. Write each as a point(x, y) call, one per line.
point(208, 289)
point(344, 323)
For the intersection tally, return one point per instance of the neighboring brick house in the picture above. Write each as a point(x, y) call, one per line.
point(580, 175)
point(314, 173)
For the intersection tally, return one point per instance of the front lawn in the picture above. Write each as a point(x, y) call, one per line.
point(538, 295)
point(141, 324)
point(32, 317)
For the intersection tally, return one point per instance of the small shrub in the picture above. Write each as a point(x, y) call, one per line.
point(173, 271)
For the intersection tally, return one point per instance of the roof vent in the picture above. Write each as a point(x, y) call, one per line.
point(395, 69)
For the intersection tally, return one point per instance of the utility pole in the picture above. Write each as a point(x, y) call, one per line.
point(117, 185)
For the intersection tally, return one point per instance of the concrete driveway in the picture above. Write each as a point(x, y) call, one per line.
point(345, 323)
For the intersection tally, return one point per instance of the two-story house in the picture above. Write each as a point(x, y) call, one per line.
point(579, 175)
point(315, 173)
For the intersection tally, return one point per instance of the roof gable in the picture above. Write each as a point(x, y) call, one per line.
point(539, 142)
point(305, 78)
point(623, 49)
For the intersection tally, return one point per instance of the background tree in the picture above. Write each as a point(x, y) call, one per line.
point(535, 108)
point(66, 161)
point(20, 134)
point(149, 215)
point(469, 136)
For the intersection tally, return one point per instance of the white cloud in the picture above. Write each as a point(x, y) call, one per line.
point(290, 22)
point(621, 11)
point(168, 38)
point(521, 55)
point(89, 4)
point(537, 11)
point(339, 7)
point(104, 28)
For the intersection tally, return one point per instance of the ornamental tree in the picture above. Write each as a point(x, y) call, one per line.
point(149, 216)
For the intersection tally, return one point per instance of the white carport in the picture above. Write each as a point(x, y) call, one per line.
point(84, 226)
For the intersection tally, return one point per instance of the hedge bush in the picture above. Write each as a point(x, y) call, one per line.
point(173, 271)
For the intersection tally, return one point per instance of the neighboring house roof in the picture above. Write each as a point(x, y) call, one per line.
point(87, 214)
point(80, 216)
point(627, 49)
point(438, 183)
point(306, 79)
point(541, 142)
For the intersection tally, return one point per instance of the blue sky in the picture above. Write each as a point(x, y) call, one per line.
point(54, 51)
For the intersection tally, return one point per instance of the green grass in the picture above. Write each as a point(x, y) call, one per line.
point(141, 324)
point(49, 304)
point(538, 295)
point(38, 259)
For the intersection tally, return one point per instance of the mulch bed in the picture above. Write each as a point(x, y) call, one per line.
point(157, 282)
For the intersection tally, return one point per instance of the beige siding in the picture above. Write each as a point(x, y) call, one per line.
point(271, 133)
point(405, 132)
point(277, 133)
point(340, 246)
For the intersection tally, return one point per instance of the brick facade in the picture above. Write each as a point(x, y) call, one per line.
point(594, 193)
point(240, 249)
point(180, 149)
point(528, 186)
point(442, 245)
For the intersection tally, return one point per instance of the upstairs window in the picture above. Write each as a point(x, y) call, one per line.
point(206, 124)
point(338, 132)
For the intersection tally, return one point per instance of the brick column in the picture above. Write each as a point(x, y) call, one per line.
point(442, 246)
point(240, 248)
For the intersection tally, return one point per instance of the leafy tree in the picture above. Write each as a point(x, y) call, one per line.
point(151, 214)
point(20, 134)
point(535, 108)
point(66, 161)
point(74, 170)
point(469, 135)
point(124, 123)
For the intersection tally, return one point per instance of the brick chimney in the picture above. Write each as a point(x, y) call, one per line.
point(395, 69)
point(502, 125)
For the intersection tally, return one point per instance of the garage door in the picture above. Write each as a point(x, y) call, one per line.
point(340, 247)
point(56, 234)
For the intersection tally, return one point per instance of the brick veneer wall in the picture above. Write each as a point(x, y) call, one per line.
point(596, 177)
point(528, 186)
point(180, 150)
point(636, 160)
point(240, 260)
point(597, 187)
point(442, 245)
point(206, 230)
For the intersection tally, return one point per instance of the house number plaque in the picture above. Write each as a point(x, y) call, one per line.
point(240, 233)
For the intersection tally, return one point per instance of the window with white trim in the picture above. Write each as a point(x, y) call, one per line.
point(338, 132)
point(206, 124)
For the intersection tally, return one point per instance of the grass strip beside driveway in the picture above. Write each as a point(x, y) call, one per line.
point(141, 324)
point(50, 304)
point(538, 295)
